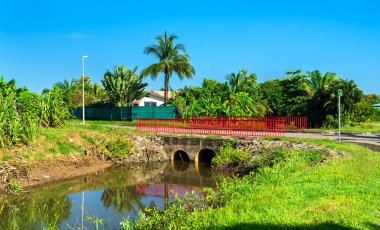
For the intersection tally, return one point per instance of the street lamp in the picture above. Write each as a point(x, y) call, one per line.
point(83, 113)
point(340, 93)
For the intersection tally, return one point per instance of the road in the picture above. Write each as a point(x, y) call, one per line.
point(371, 141)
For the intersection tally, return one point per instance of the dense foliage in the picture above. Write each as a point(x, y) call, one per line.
point(312, 94)
point(237, 97)
point(22, 113)
point(124, 86)
point(72, 92)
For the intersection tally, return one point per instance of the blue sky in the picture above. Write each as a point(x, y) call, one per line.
point(41, 42)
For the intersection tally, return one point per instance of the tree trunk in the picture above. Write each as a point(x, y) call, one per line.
point(166, 86)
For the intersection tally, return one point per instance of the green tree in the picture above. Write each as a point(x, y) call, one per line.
point(171, 59)
point(9, 88)
point(242, 82)
point(245, 98)
point(123, 86)
point(236, 81)
point(372, 98)
point(98, 92)
point(242, 105)
point(324, 96)
point(68, 89)
point(78, 92)
point(287, 96)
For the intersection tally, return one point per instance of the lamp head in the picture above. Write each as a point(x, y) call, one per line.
point(85, 56)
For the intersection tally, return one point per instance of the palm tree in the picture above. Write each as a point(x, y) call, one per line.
point(98, 91)
point(68, 89)
point(321, 83)
point(170, 60)
point(323, 95)
point(236, 81)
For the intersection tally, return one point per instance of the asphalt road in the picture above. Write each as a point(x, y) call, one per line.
point(371, 141)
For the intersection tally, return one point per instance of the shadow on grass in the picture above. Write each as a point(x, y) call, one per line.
point(296, 227)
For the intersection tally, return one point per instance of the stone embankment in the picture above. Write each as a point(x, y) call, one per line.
point(256, 146)
point(147, 149)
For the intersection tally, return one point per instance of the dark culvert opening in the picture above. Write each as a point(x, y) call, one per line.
point(205, 156)
point(181, 156)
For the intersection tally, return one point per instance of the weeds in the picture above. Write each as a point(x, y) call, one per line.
point(118, 147)
point(13, 187)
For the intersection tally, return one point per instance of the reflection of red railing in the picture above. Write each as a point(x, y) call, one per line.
point(229, 126)
point(165, 190)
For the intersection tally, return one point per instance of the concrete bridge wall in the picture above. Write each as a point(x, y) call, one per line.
point(193, 146)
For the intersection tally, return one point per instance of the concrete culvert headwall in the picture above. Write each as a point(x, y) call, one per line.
point(180, 155)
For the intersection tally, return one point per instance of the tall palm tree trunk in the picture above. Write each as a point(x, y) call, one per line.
point(166, 88)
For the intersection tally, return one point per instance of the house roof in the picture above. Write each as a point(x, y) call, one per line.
point(159, 93)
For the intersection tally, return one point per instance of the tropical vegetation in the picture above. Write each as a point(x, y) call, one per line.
point(124, 86)
point(310, 94)
point(171, 59)
point(22, 113)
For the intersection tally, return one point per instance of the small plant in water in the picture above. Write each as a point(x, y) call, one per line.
point(95, 220)
point(126, 224)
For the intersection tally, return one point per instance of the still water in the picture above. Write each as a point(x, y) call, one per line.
point(110, 195)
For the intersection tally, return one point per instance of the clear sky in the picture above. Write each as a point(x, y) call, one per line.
point(41, 42)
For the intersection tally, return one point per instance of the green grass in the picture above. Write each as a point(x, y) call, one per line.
point(298, 192)
point(72, 139)
point(103, 122)
point(371, 127)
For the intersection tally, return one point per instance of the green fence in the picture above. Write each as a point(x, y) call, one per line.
point(125, 113)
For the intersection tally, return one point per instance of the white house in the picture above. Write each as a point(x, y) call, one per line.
point(154, 98)
point(377, 106)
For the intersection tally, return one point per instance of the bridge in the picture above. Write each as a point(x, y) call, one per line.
point(195, 149)
point(225, 126)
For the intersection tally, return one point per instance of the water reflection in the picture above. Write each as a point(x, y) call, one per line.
point(34, 211)
point(180, 166)
point(110, 195)
point(122, 199)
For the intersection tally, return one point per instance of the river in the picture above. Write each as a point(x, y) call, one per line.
point(109, 196)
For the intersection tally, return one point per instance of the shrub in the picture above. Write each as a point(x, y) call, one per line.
point(230, 155)
point(22, 113)
point(119, 147)
point(53, 111)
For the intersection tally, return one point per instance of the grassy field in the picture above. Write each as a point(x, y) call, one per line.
point(70, 140)
point(340, 192)
point(101, 122)
point(369, 127)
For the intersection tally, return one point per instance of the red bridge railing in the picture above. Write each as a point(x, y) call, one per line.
point(229, 126)
point(294, 122)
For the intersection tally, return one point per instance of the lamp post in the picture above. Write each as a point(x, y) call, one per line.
point(340, 93)
point(83, 106)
